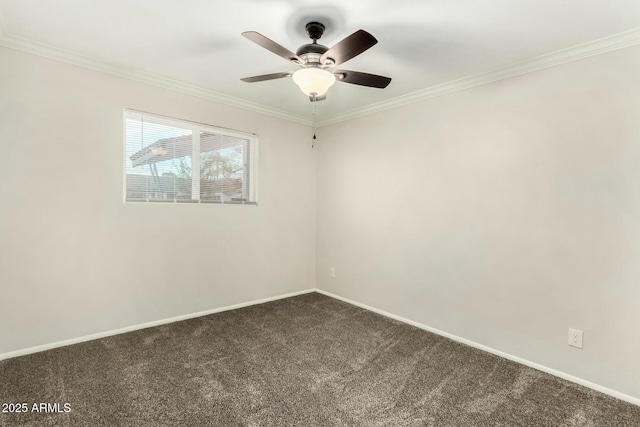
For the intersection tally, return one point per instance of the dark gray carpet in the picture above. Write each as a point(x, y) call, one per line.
point(304, 361)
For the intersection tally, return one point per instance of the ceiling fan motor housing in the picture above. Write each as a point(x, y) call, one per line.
point(311, 53)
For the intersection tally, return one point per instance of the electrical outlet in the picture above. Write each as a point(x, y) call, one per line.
point(575, 338)
point(332, 272)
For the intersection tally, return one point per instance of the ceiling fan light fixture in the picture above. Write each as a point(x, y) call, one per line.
point(314, 81)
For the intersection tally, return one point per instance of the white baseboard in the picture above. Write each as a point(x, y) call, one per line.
point(99, 335)
point(560, 374)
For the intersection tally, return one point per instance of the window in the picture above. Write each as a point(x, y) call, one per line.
point(170, 160)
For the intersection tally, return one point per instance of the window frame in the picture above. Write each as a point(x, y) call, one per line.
point(250, 153)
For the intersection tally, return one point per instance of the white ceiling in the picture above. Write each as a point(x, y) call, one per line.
point(421, 43)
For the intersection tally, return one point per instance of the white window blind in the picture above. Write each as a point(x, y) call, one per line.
point(170, 160)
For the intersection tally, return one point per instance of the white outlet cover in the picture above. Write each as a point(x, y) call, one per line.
point(575, 338)
point(332, 272)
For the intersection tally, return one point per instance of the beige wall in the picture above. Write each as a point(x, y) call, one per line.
point(75, 260)
point(503, 214)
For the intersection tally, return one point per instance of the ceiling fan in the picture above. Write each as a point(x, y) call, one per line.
point(318, 62)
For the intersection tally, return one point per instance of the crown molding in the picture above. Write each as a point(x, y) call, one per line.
point(62, 55)
point(596, 47)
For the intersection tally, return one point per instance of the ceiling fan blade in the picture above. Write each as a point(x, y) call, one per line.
point(272, 46)
point(349, 47)
point(264, 77)
point(362, 79)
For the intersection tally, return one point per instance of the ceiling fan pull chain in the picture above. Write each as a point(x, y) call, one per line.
point(313, 122)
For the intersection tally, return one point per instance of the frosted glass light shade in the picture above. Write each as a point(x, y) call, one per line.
point(314, 81)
